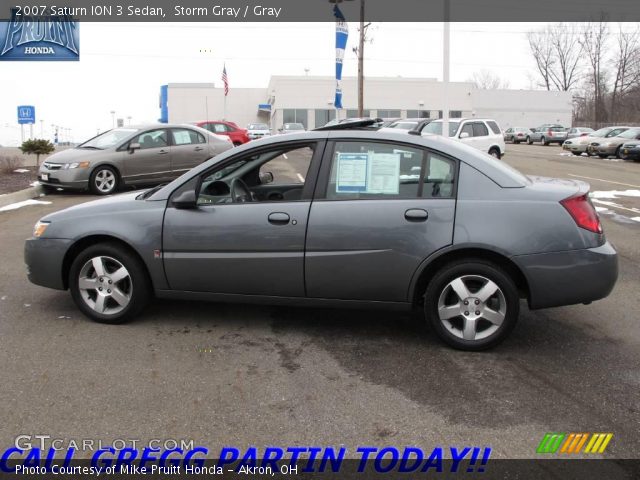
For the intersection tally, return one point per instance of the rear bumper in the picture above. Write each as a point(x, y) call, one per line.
point(571, 277)
point(43, 258)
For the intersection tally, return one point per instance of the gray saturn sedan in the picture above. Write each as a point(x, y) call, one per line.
point(340, 216)
point(131, 156)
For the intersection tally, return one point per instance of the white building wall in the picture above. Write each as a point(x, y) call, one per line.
point(528, 108)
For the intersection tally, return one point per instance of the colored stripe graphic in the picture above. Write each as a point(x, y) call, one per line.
point(571, 443)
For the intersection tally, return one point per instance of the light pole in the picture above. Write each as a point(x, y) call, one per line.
point(113, 119)
point(129, 120)
point(445, 72)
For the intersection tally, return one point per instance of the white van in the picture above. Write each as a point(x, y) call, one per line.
point(480, 133)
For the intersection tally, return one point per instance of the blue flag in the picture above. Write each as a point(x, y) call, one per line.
point(342, 33)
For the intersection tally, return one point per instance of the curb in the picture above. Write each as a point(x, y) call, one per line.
point(21, 195)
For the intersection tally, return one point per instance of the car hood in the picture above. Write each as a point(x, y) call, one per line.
point(73, 155)
point(113, 204)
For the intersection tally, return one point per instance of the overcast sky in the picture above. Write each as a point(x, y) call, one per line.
point(122, 65)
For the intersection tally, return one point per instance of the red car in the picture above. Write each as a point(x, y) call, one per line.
point(237, 135)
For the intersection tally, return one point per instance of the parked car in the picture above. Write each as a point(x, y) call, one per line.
point(611, 146)
point(630, 151)
point(580, 145)
point(482, 134)
point(237, 135)
point(516, 134)
point(547, 134)
point(258, 130)
point(406, 125)
point(141, 155)
point(292, 128)
point(579, 132)
point(327, 218)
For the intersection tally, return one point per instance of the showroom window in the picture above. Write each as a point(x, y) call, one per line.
point(354, 113)
point(389, 113)
point(452, 113)
point(324, 116)
point(295, 115)
point(417, 113)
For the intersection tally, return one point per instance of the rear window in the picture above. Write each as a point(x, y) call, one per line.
point(557, 129)
point(493, 126)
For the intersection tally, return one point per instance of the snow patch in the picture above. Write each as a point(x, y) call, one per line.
point(615, 193)
point(635, 219)
point(21, 170)
point(14, 206)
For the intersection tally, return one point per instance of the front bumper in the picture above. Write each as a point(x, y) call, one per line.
point(570, 277)
point(602, 150)
point(574, 147)
point(44, 259)
point(630, 153)
point(71, 178)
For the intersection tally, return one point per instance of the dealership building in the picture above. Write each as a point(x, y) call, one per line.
point(309, 100)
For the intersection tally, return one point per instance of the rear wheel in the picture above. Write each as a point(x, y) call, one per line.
point(472, 304)
point(529, 142)
point(108, 283)
point(603, 155)
point(494, 152)
point(577, 153)
point(618, 152)
point(104, 180)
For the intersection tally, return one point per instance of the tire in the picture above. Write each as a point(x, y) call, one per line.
point(48, 189)
point(577, 154)
point(470, 277)
point(494, 152)
point(543, 141)
point(129, 290)
point(603, 155)
point(529, 142)
point(516, 142)
point(617, 154)
point(104, 180)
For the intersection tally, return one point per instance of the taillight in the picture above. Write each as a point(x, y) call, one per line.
point(583, 134)
point(583, 213)
point(550, 133)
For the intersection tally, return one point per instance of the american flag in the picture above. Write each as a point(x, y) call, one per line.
point(225, 80)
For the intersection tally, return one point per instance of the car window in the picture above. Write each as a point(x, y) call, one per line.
point(493, 126)
point(289, 168)
point(467, 128)
point(217, 127)
point(615, 132)
point(151, 139)
point(508, 130)
point(185, 136)
point(377, 170)
point(480, 129)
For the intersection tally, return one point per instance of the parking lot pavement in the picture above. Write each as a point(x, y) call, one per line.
point(239, 375)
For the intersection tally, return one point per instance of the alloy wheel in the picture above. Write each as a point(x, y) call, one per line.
point(105, 285)
point(105, 180)
point(472, 307)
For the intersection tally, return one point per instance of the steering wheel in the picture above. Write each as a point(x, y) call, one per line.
point(240, 193)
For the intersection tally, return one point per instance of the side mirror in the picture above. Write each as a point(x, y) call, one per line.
point(133, 147)
point(186, 200)
point(464, 135)
point(266, 177)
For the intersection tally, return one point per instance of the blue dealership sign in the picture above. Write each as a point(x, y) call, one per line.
point(26, 114)
point(38, 38)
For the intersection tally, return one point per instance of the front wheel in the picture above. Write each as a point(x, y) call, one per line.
point(103, 180)
point(577, 153)
point(529, 141)
point(108, 283)
point(472, 304)
point(544, 141)
point(494, 152)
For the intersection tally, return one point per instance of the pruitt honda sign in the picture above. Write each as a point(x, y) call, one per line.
point(39, 37)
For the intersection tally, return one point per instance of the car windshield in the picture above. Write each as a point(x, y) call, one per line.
point(108, 139)
point(258, 126)
point(601, 133)
point(632, 133)
point(436, 127)
point(293, 126)
point(404, 125)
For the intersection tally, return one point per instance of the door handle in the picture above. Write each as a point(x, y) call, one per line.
point(278, 218)
point(198, 149)
point(163, 152)
point(416, 215)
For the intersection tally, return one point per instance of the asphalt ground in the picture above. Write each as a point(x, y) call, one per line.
point(240, 375)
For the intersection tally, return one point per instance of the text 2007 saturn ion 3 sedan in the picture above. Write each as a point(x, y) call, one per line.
point(333, 217)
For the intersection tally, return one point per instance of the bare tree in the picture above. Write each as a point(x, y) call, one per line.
point(543, 55)
point(487, 80)
point(626, 67)
point(594, 40)
point(557, 53)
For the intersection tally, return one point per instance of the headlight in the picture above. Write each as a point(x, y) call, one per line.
point(39, 228)
point(76, 165)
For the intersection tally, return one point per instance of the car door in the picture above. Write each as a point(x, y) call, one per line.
point(481, 138)
point(381, 208)
point(148, 157)
point(188, 149)
point(252, 248)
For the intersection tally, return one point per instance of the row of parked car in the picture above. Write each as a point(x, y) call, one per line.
point(254, 131)
point(619, 141)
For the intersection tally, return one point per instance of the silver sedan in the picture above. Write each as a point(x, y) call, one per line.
point(131, 156)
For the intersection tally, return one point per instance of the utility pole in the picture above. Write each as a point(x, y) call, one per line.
point(445, 72)
point(361, 63)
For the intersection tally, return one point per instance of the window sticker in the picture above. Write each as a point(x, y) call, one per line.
point(352, 172)
point(181, 137)
point(384, 173)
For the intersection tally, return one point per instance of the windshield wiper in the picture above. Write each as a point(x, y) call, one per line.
point(91, 147)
